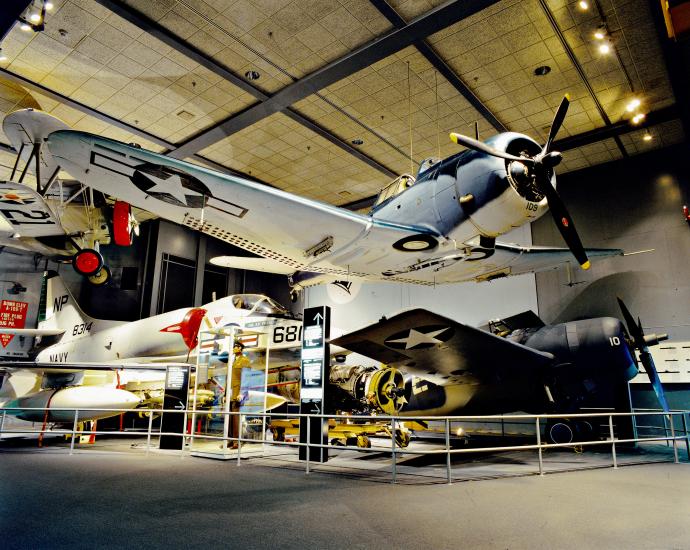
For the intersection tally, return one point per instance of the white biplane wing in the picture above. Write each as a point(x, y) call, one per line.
point(26, 212)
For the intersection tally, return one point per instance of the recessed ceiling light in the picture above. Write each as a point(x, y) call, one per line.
point(357, 141)
point(647, 137)
point(48, 6)
point(583, 5)
point(604, 48)
point(542, 70)
point(632, 105)
point(252, 75)
point(600, 34)
point(35, 17)
point(3, 58)
point(639, 117)
point(25, 27)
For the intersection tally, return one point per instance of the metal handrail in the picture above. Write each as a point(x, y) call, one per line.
point(540, 446)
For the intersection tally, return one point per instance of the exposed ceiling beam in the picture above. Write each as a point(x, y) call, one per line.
point(429, 23)
point(580, 71)
point(10, 12)
point(440, 65)
point(164, 35)
point(676, 58)
point(56, 96)
point(613, 131)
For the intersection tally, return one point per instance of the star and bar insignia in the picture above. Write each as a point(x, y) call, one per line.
point(420, 337)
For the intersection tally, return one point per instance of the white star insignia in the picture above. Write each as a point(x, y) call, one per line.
point(170, 186)
point(415, 338)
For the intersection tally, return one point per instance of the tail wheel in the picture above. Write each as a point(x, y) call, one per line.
point(402, 438)
point(101, 278)
point(363, 442)
point(123, 224)
point(87, 262)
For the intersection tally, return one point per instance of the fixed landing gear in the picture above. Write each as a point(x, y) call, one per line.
point(89, 263)
point(563, 430)
point(124, 224)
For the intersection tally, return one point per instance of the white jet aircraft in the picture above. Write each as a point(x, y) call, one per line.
point(438, 228)
point(84, 362)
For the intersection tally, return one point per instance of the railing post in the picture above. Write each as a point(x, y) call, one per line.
point(74, 430)
point(663, 417)
point(448, 472)
point(673, 439)
point(613, 442)
point(394, 466)
point(541, 458)
point(308, 439)
point(193, 428)
point(4, 413)
point(687, 437)
point(148, 435)
point(239, 438)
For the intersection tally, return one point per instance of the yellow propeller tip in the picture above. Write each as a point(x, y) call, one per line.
point(567, 96)
point(453, 137)
point(586, 265)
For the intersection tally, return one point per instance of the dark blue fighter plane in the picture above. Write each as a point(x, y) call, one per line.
point(518, 364)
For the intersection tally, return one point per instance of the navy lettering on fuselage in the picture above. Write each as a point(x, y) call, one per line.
point(59, 357)
point(59, 302)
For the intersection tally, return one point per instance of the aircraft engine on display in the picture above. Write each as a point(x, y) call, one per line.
point(380, 389)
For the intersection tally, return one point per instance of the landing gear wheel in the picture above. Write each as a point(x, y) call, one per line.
point(402, 438)
point(363, 442)
point(101, 278)
point(560, 431)
point(123, 228)
point(278, 434)
point(87, 262)
point(293, 296)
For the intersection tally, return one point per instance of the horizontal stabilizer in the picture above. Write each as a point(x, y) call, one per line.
point(265, 265)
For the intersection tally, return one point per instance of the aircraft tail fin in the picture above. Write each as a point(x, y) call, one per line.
point(59, 309)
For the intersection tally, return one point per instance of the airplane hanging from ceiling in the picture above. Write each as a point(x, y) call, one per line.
point(518, 364)
point(57, 219)
point(438, 228)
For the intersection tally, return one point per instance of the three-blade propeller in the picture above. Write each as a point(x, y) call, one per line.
point(540, 166)
point(637, 334)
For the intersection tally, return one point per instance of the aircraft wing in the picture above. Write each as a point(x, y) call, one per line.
point(57, 368)
point(32, 332)
point(291, 230)
point(26, 212)
point(426, 344)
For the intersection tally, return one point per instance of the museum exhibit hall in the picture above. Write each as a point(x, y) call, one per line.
point(301, 266)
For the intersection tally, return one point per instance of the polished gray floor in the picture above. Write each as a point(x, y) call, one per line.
point(118, 500)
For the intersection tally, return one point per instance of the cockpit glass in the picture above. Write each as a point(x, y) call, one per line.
point(394, 188)
point(258, 304)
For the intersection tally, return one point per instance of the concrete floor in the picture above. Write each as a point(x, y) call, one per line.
point(49, 499)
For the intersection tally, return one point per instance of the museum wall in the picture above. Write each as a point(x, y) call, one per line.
point(634, 204)
point(470, 303)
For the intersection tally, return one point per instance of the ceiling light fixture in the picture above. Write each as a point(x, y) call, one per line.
point(639, 117)
point(600, 33)
point(583, 5)
point(605, 48)
point(542, 70)
point(3, 57)
point(35, 17)
point(25, 27)
point(357, 141)
point(632, 105)
point(252, 75)
point(647, 137)
point(48, 5)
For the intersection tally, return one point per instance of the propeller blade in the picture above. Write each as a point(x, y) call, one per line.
point(635, 330)
point(562, 218)
point(484, 148)
point(650, 368)
point(558, 119)
point(476, 130)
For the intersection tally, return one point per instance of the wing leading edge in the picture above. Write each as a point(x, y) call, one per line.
point(423, 343)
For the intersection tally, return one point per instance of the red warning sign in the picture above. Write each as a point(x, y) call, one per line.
point(12, 315)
